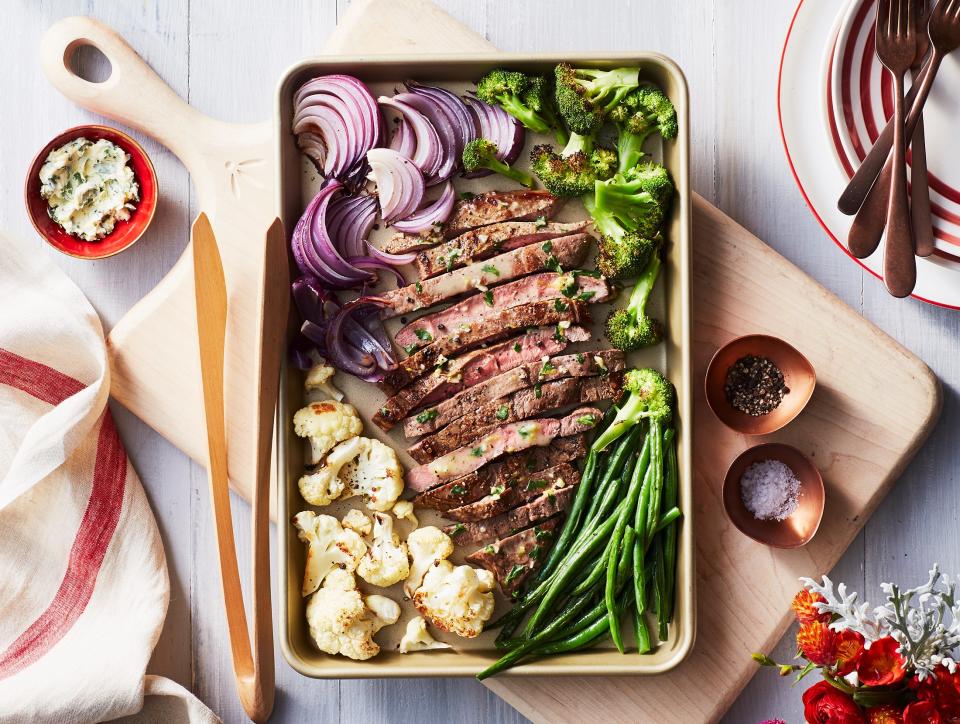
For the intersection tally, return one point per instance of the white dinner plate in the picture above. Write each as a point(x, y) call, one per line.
point(833, 99)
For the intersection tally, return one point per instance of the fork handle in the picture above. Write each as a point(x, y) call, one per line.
point(855, 194)
point(899, 261)
point(920, 194)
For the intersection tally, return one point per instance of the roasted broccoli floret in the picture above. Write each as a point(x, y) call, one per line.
point(604, 162)
point(637, 199)
point(481, 153)
point(650, 396)
point(642, 112)
point(526, 98)
point(632, 328)
point(575, 169)
point(585, 95)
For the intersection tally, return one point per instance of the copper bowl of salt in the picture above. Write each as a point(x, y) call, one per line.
point(799, 378)
point(763, 488)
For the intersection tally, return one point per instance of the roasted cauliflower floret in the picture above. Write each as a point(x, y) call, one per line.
point(376, 474)
point(329, 548)
point(458, 599)
point(343, 622)
point(417, 638)
point(385, 562)
point(318, 380)
point(325, 424)
point(324, 485)
point(403, 509)
point(427, 546)
point(357, 521)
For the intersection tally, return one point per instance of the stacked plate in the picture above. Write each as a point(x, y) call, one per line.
point(834, 99)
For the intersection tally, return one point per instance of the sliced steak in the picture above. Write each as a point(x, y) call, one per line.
point(506, 322)
point(481, 210)
point(548, 285)
point(502, 498)
point(500, 441)
point(513, 470)
point(519, 406)
point(567, 252)
point(487, 241)
point(544, 506)
point(475, 367)
point(512, 559)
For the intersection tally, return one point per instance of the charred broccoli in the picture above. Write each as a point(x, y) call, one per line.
point(639, 114)
point(585, 95)
point(650, 396)
point(481, 153)
point(527, 98)
point(632, 328)
point(575, 170)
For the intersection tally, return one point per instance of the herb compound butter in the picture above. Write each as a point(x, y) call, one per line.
point(88, 186)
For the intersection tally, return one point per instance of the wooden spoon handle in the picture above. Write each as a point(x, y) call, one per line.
point(133, 94)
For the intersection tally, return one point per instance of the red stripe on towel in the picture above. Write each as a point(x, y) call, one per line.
point(96, 528)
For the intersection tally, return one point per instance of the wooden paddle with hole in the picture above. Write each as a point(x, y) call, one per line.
point(253, 666)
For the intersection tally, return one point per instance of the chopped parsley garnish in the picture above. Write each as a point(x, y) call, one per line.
point(489, 550)
point(502, 413)
point(548, 368)
point(580, 358)
point(538, 484)
point(458, 490)
point(587, 273)
point(553, 264)
point(540, 222)
point(586, 296)
point(551, 496)
point(423, 335)
point(488, 298)
point(427, 416)
point(77, 177)
point(491, 269)
point(451, 259)
point(560, 305)
point(525, 430)
point(457, 529)
point(589, 420)
point(558, 335)
point(410, 348)
point(419, 287)
point(514, 573)
point(542, 534)
point(516, 347)
point(477, 451)
point(536, 552)
point(547, 246)
point(497, 490)
point(571, 287)
point(538, 390)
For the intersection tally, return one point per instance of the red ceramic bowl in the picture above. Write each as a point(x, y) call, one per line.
point(125, 233)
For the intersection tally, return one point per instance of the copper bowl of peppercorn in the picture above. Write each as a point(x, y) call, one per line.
point(757, 384)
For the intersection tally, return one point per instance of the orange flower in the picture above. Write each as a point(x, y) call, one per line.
point(886, 714)
point(817, 643)
point(803, 606)
point(847, 651)
point(881, 665)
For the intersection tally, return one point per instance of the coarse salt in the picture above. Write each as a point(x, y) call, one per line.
point(769, 490)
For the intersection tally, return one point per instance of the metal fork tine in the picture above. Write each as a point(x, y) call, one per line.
point(883, 14)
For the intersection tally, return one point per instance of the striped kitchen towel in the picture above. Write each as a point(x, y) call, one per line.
point(83, 577)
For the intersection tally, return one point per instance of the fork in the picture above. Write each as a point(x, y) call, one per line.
point(896, 48)
point(944, 32)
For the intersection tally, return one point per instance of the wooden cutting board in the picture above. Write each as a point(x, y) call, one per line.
point(740, 286)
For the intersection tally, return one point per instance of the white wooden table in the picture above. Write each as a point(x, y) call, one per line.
point(225, 57)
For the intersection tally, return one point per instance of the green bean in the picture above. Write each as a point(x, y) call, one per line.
point(667, 518)
point(596, 573)
point(637, 480)
point(671, 493)
point(640, 631)
point(656, 487)
point(659, 591)
point(622, 450)
point(567, 569)
point(578, 640)
point(572, 609)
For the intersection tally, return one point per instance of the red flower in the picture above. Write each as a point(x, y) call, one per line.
point(942, 689)
point(921, 712)
point(848, 648)
point(803, 606)
point(886, 714)
point(881, 665)
point(825, 704)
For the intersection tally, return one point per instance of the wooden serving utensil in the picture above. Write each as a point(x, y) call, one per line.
point(253, 666)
